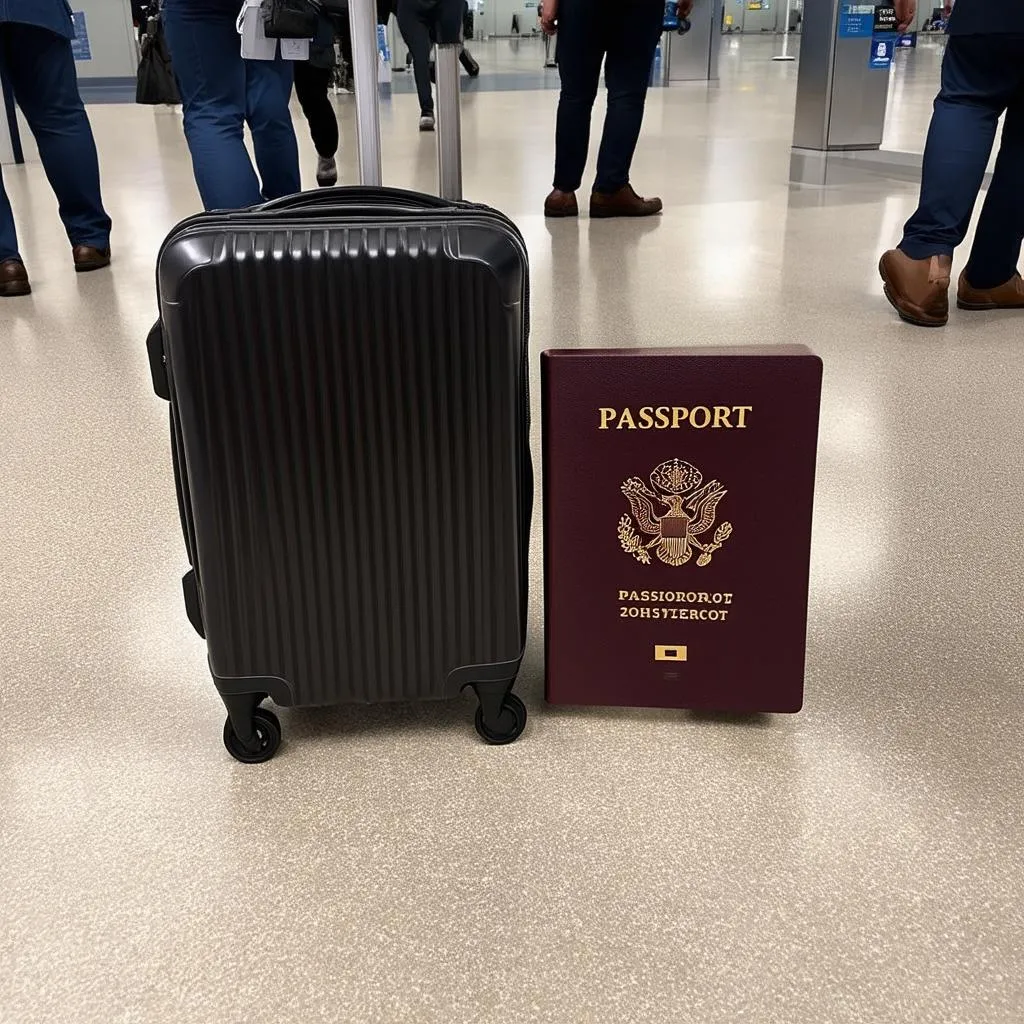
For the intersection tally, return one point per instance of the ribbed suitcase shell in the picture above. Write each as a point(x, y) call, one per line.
point(351, 429)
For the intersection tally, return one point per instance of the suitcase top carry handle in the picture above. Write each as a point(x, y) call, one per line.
point(348, 195)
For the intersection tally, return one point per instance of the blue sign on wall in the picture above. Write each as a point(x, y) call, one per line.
point(80, 44)
point(856, 20)
point(882, 48)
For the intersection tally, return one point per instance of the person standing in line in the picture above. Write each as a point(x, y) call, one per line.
point(36, 58)
point(624, 36)
point(221, 92)
point(982, 77)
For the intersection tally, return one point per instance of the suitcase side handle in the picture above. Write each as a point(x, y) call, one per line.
point(158, 362)
point(193, 606)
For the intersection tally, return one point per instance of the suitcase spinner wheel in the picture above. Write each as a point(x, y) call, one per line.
point(257, 736)
point(505, 726)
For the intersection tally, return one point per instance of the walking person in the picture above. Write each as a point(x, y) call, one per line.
point(313, 79)
point(982, 78)
point(624, 36)
point(36, 58)
point(422, 24)
point(416, 23)
point(221, 92)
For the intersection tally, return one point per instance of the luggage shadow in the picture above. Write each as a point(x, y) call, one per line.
point(744, 720)
point(400, 719)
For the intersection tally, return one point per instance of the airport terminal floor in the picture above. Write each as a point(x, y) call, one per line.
point(857, 863)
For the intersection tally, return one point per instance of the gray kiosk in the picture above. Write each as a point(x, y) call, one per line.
point(845, 55)
point(693, 56)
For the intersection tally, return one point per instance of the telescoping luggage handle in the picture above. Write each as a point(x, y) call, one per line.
point(362, 17)
point(449, 122)
point(363, 23)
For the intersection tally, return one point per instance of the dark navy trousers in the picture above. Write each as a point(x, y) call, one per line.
point(982, 77)
point(623, 36)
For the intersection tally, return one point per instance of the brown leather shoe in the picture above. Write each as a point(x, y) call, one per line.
point(88, 257)
point(14, 279)
point(1007, 296)
point(561, 204)
point(917, 289)
point(624, 203)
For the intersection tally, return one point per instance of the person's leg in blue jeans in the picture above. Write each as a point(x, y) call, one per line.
point(8, 232)
point(205, 52)
point(997, 241)
point(268, 89)
point(41, 70)
point(627, 72)
point(220, 91)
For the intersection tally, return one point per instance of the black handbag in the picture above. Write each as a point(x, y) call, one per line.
point(155, 83)
point(290, 19)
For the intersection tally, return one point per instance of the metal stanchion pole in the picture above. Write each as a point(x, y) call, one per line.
point(785, 55)
point(362, 15)
point(449, 122)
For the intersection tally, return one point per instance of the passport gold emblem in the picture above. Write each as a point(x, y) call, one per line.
point(691, 506)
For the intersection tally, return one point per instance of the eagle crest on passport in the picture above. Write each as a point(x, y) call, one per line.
point(675, 512)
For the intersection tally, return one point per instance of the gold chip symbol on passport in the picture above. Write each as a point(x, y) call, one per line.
point(663, 653)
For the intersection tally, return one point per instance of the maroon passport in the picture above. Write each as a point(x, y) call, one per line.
point(678, 488)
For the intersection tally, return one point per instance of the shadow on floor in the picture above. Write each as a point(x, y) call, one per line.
point(457, 714)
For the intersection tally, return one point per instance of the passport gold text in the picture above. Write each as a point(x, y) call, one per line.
point(675, 417)
point(678, 596)
point(632, 611)
point(665, 604)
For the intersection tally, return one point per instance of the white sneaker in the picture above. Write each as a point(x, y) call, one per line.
point(427, 123)
point(326, 171)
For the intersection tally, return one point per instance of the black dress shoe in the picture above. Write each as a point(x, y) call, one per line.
point(88, 257)
point(13, 279)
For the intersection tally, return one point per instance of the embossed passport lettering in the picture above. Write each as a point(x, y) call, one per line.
point(678, 491)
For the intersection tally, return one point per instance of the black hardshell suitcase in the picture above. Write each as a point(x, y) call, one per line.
point(347, 373)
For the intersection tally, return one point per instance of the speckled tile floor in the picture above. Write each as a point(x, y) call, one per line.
point(859, 863)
